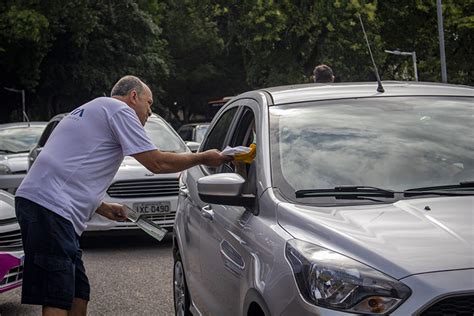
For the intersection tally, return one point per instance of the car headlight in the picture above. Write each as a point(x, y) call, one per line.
point(4, 169)
point(331, 280)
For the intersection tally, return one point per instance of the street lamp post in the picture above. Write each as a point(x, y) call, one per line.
point(444, 73)
point(22, 91)
point(412, 54)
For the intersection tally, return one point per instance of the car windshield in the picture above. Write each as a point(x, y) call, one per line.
point(164, 138)
point(200, 132)
point(393, 143)
point(19, 139)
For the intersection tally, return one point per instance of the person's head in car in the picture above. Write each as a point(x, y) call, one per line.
point(323, 74)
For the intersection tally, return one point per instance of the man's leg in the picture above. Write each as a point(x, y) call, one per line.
point(79, 307)
point(50, 247)
point(82, 288)
point(53, 311)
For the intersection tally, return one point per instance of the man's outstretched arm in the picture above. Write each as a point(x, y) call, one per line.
point(166, 162)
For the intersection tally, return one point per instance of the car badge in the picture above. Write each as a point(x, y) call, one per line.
point(149, 174)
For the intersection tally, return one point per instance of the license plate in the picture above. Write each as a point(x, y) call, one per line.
point(152, 208)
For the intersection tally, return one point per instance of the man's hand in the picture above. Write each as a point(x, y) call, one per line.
point(213, 158)
point(112, 211)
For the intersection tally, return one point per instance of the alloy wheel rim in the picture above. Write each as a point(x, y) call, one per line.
point(179, 289)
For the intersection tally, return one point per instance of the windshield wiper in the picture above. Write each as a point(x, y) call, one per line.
point(374, 193)
point(448, 190)
point(6, 151)
point(348, 192)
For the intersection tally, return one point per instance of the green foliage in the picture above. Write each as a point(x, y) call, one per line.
point(199, 57)
point(23, 44)
point(189, 51)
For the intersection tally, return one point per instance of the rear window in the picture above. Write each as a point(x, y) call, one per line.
point(163, 136)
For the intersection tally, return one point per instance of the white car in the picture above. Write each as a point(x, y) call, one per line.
point(155, 195)
point(11, 249)
point(16, 140)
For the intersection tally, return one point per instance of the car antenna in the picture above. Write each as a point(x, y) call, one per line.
point(27, 118)
point(380, 87)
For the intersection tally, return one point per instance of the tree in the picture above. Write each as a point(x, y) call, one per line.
point(85, 62)
point(199, 59)
point(412, 26)
point(69, 52)
point(282, 41)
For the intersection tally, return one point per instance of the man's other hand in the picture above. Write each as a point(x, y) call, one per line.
point(112, 211)
point(213, 158)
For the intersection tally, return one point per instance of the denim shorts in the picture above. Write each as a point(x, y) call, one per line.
point(54, 273)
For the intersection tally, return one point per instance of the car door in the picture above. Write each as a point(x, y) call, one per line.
point(191, 207)
point(224, 257)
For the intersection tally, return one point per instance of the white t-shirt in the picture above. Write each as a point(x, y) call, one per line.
point(81, 157)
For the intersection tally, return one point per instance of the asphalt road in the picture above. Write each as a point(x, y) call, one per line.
point(129, 275)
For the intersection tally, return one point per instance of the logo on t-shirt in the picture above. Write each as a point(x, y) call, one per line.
point(79, 112)
point(76, 115)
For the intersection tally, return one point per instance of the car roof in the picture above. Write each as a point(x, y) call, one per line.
point(317, 92)
point(22, 124)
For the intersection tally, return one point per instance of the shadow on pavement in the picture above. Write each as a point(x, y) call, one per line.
point(123, 240)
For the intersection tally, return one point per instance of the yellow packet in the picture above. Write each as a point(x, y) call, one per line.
point(247, 157)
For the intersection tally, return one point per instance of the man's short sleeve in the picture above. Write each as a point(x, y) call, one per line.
point(129, 132)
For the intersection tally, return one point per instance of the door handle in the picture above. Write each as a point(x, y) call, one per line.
point(207, 212)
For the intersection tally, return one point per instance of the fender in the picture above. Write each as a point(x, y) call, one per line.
point(254, 296)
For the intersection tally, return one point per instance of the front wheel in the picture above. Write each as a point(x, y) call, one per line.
point(180, 289)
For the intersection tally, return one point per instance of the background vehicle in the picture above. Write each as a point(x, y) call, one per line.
point(358, 202)
point(193, 134)
point(11, 249)
point(153, 194)
point(16, 140)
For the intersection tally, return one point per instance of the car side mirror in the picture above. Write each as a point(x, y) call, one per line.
point(226, 189)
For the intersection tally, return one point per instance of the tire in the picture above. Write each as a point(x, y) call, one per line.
point(181, 296)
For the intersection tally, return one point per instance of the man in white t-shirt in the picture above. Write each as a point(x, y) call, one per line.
point(67, 183)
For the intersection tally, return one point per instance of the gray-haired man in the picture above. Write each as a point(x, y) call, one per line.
point(67, 182)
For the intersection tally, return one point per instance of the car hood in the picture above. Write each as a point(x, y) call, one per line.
point(131, 169)
point(16, 162)
point(400, 239)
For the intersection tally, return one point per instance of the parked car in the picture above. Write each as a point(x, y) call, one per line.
point(155, 195)
point(193, 134)
point(357, 202)
point(11, 249)
point(16, 140)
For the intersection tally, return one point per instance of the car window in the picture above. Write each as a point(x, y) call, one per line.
point(19, 139)
point(200, 132)
point(164, 138)
point(216, 138)
point(394, 143)
point(186, 133)
point(243, 135)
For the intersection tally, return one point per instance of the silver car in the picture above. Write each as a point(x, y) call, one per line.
point(16, 140)
point(357, 202)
